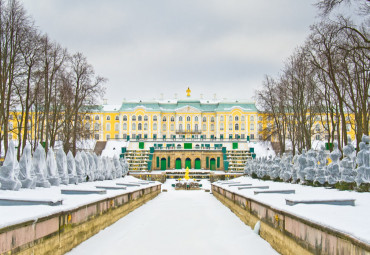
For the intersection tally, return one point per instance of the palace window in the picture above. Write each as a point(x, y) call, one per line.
point(117, 117)
point(164, 127)
point(96, 136)
point(230, 118)
point(96, 117)
point(164, 118)
point(236, 126)
point(124, 126)
point(204, 119)
point(139, 118)
point(155, 118)
point(96, 126)
point(87, 125)
point(155, 126)
point(204, 127)
point(230, 126)
point(243, 118)
point(87, 117)
point(221, 126)
point(212, 119)
point(133, 126)
point(133, 118)
point(260, 127)
point(139, 126)
point(124, 118)
point(188, 118)
point(317, 128)
point(252, 136)
point(180, 127)
point(318, 137)
point(222, 118)
point(188, 127)
point(212, 127)
point(236, 118)
point(260, 118)
point(243, 126)
point(116, 127)
point(196, 127)
point(108, 117)
point(145, 118)
point(108, 136)
point(172, 127)
point(116, 136)
point(196, 118)
point(252, 118)
point(172, 119)
point(145, 126)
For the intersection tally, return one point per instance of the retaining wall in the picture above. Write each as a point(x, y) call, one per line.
point(59, 233)
point(287, 233)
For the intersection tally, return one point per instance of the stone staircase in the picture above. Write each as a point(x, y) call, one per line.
point(99, 147)
point(138, 159)
point(237, 159)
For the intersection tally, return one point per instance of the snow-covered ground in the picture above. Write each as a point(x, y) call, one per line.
point(353, 220)
point(11, 215)
point(177, 222)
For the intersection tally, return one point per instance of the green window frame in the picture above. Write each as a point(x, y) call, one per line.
point(157, 162)
point(218, 162)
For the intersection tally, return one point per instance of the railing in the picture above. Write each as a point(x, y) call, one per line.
point(196, 131)
point(208, 139)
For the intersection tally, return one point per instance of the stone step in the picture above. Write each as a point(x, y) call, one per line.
point(350, 202)
point(26, 201)
point(286, 191)
point(82, 191)
point(255, 187)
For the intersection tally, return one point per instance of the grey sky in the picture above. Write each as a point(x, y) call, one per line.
point(148, 47)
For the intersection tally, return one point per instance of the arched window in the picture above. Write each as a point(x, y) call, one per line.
point(108, 117)
point(236, 118)
point(180, 127)
point(230, 126)
point(172, 127)
point(87, 125)
point(196, 118)
point(117, 117)
point(96, 126)
point(133, 126)
point(164, 118)
point(145, 118)
point(260, 127)
point(96, 117)
point(236, 126)
point(133, 118)
point(139, 126)
point(212, 119)
point(145, 126)
point(172, 119)
point(139, 118)
point(222, 118)
point(180, 118)
point(87, 117)
point(252, 126)
point(260, 118)
point(188, 127)
point(155, 118)
point(196, 127)
point(188, 118)
point(124, 118)
point(243, 118)
point(124, 126)
point(221, 126)
point(243, 126)
point(204, 119)
point(204, 127)
point(155, 126)
point(230, 118)
point(252, 118)
point(212, 127)
point(164, 127)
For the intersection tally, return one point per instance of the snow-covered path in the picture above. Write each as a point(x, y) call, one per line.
point(177, 222)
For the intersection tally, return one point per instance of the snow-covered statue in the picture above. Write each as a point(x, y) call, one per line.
point(333, 167)
point(87, 166)
point(71, 167)
point(288, 169)
point(125, 165)
point(321, 173)
point(295, 169)
point(92, 166)
point(80, 167)
point(275, 168)
point(311, 166)
point(99, 168)
point(8, 178)
point(347, 172)
point(117, 165)
point(52, 169)
point(112, 168)
point(107, 171)
point(39, 167)
point(363, 164)
point(26, 176)
point(302, 164)
point(62, 166)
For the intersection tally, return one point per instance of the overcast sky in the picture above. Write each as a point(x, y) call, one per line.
point(149, 47)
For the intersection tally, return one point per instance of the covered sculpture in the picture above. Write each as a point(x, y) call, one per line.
point(52, 170)
point(71, 167)
point(61, 159)
point(39, 167)
point(26, 176)
point(8, 178)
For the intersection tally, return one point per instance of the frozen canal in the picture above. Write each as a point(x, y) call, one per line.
point(177, 222)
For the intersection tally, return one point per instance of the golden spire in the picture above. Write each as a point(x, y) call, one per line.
point(188, 92)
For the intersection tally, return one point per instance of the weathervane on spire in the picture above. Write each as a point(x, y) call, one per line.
point(188, 92)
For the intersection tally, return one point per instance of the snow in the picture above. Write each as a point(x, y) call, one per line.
point(113, 148)
point(177, 222)
point(347, 219)
point(11, 215)
point(262, 149)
